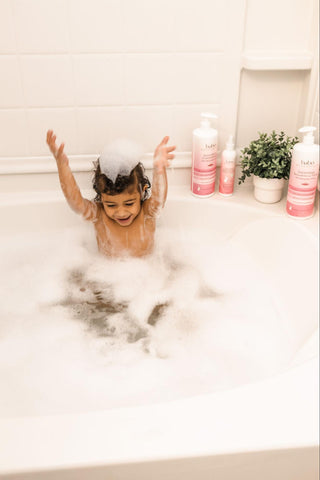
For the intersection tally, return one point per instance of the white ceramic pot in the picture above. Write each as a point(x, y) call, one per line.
point(268, 190)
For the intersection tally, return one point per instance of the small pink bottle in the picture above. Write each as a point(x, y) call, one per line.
point(303, 176)
point(204, 158)
point(227, 169)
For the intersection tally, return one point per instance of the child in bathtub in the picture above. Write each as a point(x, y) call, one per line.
point(123, 212)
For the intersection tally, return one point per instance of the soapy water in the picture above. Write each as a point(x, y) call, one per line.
point(81, 332)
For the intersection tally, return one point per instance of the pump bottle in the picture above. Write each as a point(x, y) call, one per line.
point(204, 158)
point(227, 169)
point(303, 176)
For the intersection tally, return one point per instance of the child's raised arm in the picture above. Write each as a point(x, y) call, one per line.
point(161, 160)
point(67, 181)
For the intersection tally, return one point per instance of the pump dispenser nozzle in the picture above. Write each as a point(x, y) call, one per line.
point(230, 143)
point(206, 116)
point(308, 138)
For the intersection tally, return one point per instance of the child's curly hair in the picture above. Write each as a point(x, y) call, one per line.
point(103, 184)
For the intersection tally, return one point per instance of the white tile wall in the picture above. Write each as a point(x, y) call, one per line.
point(204, 76)
point(208, 20)
point(61, 120)
point(149, 124)
point(13, 132)
point(95, 70)
point(7, 29)
point(41, 26)
point(98, 79)
point(261, 110)
point(97, 126)
point(47, 80)
point(96, 26)
point(149, 26)
point(150, 79)
point(278, 24)
point(10, 82)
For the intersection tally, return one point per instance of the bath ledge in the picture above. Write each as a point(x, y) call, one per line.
point(242, 198)
point(277, 60)
point(78, 163)
point(82, 163)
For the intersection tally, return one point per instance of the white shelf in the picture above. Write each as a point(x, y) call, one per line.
point(277, 60)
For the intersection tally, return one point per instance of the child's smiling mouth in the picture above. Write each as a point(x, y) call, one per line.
point(124, 221)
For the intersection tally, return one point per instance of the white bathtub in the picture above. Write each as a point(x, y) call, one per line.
point(263, 430)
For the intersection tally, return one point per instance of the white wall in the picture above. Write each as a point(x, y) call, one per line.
point(276, 95)
point(95, 70)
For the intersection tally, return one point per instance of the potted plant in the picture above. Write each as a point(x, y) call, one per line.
point(268, 159)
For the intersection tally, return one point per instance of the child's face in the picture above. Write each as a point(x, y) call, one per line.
point(122, 208)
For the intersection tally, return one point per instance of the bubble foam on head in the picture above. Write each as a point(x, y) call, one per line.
point(120, 158)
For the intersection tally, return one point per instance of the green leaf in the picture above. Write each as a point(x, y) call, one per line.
point(269, 156)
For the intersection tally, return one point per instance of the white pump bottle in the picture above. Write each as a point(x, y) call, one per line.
point(303, 176)
point(204, 157)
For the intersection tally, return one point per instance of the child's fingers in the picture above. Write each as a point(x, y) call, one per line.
point(60, 150)
point(49, 138)
point(165, 140)
point(171, 148)
point(51, 142)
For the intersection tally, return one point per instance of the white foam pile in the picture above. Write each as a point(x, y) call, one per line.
point(119, 158)
point(81, 332)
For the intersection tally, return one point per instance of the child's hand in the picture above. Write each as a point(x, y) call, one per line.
point(58, 153)
point(163, 155)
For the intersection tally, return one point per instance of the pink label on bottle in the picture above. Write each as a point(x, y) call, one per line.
point(226, 180)
point(302, 190)
point(203, 183)
point(203, 175)
point(300, 211)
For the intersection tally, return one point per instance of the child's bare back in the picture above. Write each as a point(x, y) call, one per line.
point(123, 215)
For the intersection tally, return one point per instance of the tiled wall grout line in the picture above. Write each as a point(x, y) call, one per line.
point(19, 59)
point(71, 57)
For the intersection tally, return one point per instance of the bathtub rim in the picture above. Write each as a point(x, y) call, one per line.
point(34, 444)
